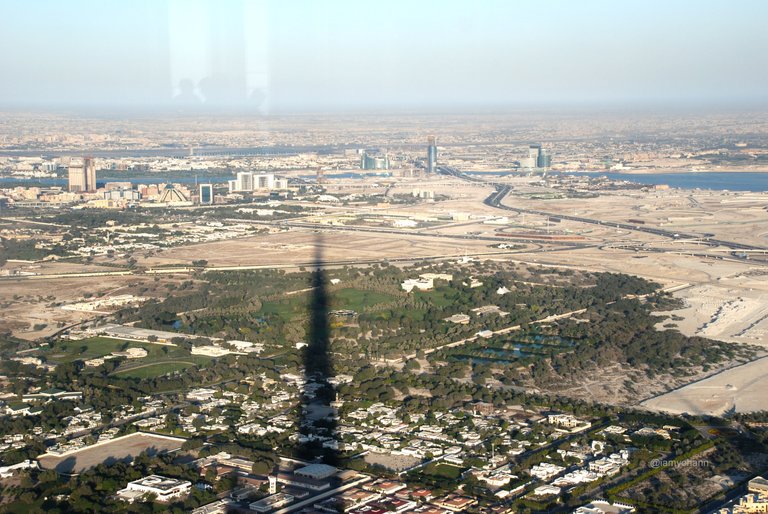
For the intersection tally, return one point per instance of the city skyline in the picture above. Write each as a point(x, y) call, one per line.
point(431, 257)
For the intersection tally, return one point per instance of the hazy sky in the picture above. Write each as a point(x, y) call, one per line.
point(296, 55)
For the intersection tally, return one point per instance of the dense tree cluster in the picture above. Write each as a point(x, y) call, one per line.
point(93, 490)
point(26, 250)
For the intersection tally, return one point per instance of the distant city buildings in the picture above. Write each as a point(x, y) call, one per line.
point(537, 158)
point(248, 181)
point(82, 175)
point(431, 154)
point(122, 194)
point(423, 193)
point(206, 194)
point(408, 173)
point(374, 162)
point(171, 195)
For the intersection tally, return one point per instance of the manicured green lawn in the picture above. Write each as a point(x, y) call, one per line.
point(443, 470)
point(437, 297)
point(356, 299)
point(288, 308)
point(349, 298)
point(68, 351)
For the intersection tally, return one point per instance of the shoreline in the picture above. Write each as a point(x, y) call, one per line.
point(673, 172)
point(663, 171)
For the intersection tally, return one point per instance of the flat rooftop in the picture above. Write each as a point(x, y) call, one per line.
point(158, 482)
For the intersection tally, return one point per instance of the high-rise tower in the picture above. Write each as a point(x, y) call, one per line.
point(544, 160)
point(431, 154)
point(82, 175)
point(89, 168)
point(374, 162)
point(206, 194)
point(76, 177)
point(538, 157)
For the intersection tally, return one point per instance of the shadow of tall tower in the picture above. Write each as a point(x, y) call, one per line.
point(318, 419)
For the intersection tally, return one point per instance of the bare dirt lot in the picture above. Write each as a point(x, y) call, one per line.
point(735, 309)
point(393, 462)
point(739, 389)
point(301, 247)
point(31, 308)
point(120, 449)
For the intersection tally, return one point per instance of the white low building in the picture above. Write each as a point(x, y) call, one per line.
point(603, 507)
point(8, 471)
point(164, 489)
point(580, 476)
point(436, 276)
point(568, 422)
point(459, 319)
point(546, 490)
point(415, 283)
point(609, 465)
point(271, 502)
point(132, 353)
point(545, 470)
point(210, 351)
point(202, 394)
point(246, 346)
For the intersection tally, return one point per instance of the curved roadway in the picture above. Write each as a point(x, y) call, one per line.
point(495, 198)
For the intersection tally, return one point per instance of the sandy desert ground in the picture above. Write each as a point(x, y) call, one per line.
point(302, 246)
point(739, 389)
point(26, 303)
point(726, 313)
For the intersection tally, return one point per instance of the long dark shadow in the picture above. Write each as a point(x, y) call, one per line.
point(319, 419)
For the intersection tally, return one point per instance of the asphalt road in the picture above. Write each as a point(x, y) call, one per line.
point(495, 199)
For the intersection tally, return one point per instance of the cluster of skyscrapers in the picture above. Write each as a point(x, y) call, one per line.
point(374, 162)
point(537, 158)
point(379, 160)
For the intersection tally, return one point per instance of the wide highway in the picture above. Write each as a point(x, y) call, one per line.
point(496, 197)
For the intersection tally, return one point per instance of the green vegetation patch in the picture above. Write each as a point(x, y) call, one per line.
point(286, 309)
point(69, 351)
point(443, 470)
point(64, 351)
point(357, 299)
point(154, 370)
point(440, 297)
point(25, 250)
